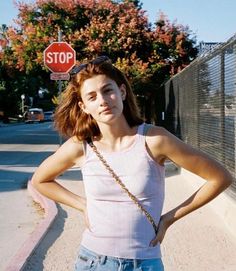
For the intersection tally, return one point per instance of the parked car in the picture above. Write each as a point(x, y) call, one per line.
point(34, 115)
point(48, 116)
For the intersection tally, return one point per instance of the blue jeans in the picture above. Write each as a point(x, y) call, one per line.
point(88, 260)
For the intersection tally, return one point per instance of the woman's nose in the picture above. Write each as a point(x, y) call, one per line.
point(102, 100)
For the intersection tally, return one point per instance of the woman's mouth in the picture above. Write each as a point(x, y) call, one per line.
point(106, 110)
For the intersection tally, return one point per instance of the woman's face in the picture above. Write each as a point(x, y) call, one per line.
point(102, 98)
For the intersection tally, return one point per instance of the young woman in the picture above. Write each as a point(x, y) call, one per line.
point(122, 162)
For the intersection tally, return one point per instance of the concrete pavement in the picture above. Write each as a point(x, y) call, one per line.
point(200, 241)
point(19, 217)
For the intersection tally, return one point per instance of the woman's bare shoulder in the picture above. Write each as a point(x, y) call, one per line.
point(71, 149)
point(162, 139)
point(156, 137)
point(157, 133)
point(73, 142)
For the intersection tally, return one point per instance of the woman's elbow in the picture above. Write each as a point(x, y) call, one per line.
point(37, 179)
point(35, 182)
point(226, 179)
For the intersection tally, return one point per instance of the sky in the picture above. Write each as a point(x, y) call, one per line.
point(209, 20)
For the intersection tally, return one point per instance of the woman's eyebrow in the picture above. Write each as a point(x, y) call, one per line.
point(103, 87)
point(106, 85)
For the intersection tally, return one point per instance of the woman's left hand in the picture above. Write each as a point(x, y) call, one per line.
point(163, 225)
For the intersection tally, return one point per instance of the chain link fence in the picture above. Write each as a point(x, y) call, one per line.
point(201, 105)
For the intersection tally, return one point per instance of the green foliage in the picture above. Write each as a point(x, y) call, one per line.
point(120, 29)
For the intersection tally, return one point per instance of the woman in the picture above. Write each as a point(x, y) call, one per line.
point(122, 162)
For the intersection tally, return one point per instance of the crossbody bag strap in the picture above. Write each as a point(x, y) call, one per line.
point(117, 179)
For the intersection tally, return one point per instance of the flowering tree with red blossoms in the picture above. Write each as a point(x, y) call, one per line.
point(120, 29)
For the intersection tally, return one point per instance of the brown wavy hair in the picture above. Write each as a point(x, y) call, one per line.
point(70, 120)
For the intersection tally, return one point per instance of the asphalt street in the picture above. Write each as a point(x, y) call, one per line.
point(18, 145)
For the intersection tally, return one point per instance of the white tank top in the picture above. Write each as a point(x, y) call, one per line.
point(118, 228)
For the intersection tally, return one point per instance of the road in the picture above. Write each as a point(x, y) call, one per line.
point(22, 148)
point(18, 145)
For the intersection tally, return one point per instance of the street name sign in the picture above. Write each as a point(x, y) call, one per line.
point(59, 76)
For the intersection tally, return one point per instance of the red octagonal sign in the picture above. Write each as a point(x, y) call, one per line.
point(59, 57)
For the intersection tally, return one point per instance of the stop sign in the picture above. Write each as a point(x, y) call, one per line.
point(59, 57)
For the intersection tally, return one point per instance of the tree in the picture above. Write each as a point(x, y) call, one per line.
point(120, 29)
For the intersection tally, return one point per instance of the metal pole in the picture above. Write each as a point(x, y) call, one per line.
point(59, 81)
point(234, 118)
point(222, 107)
point(22, 104)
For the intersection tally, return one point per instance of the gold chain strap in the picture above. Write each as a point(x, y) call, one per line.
point(117, 179)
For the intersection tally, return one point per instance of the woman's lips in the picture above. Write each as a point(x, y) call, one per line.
point(106, 110)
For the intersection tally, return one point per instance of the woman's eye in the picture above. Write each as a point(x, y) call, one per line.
point(91, 98)
point(107, 90)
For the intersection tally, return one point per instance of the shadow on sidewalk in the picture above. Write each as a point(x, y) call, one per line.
point(36, 261)
point(72, 174)
point(171, 170)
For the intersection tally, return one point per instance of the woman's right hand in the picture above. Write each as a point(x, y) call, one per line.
point(164, 223)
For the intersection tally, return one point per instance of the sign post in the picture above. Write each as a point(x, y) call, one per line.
point(59, 57)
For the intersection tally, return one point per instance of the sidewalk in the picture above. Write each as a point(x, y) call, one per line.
point(199, 241)
point(19, 217)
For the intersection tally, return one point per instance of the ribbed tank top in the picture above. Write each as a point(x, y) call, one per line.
point(118, 228)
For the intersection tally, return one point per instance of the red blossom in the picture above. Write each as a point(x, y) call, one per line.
point(94, 27)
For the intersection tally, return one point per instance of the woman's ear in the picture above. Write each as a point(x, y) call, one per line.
point(82, 107)
point(123, 91)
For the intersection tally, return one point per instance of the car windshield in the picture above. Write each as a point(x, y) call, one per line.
point(35, 112)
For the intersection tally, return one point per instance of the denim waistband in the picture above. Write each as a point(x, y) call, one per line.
point(84, 252)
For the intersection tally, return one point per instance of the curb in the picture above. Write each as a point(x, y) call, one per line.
point(3, 125)
point(19, 260)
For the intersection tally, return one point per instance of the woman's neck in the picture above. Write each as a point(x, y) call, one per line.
point(115, 137)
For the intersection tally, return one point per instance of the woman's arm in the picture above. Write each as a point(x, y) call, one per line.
point(69, 154)
point(164, 145)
